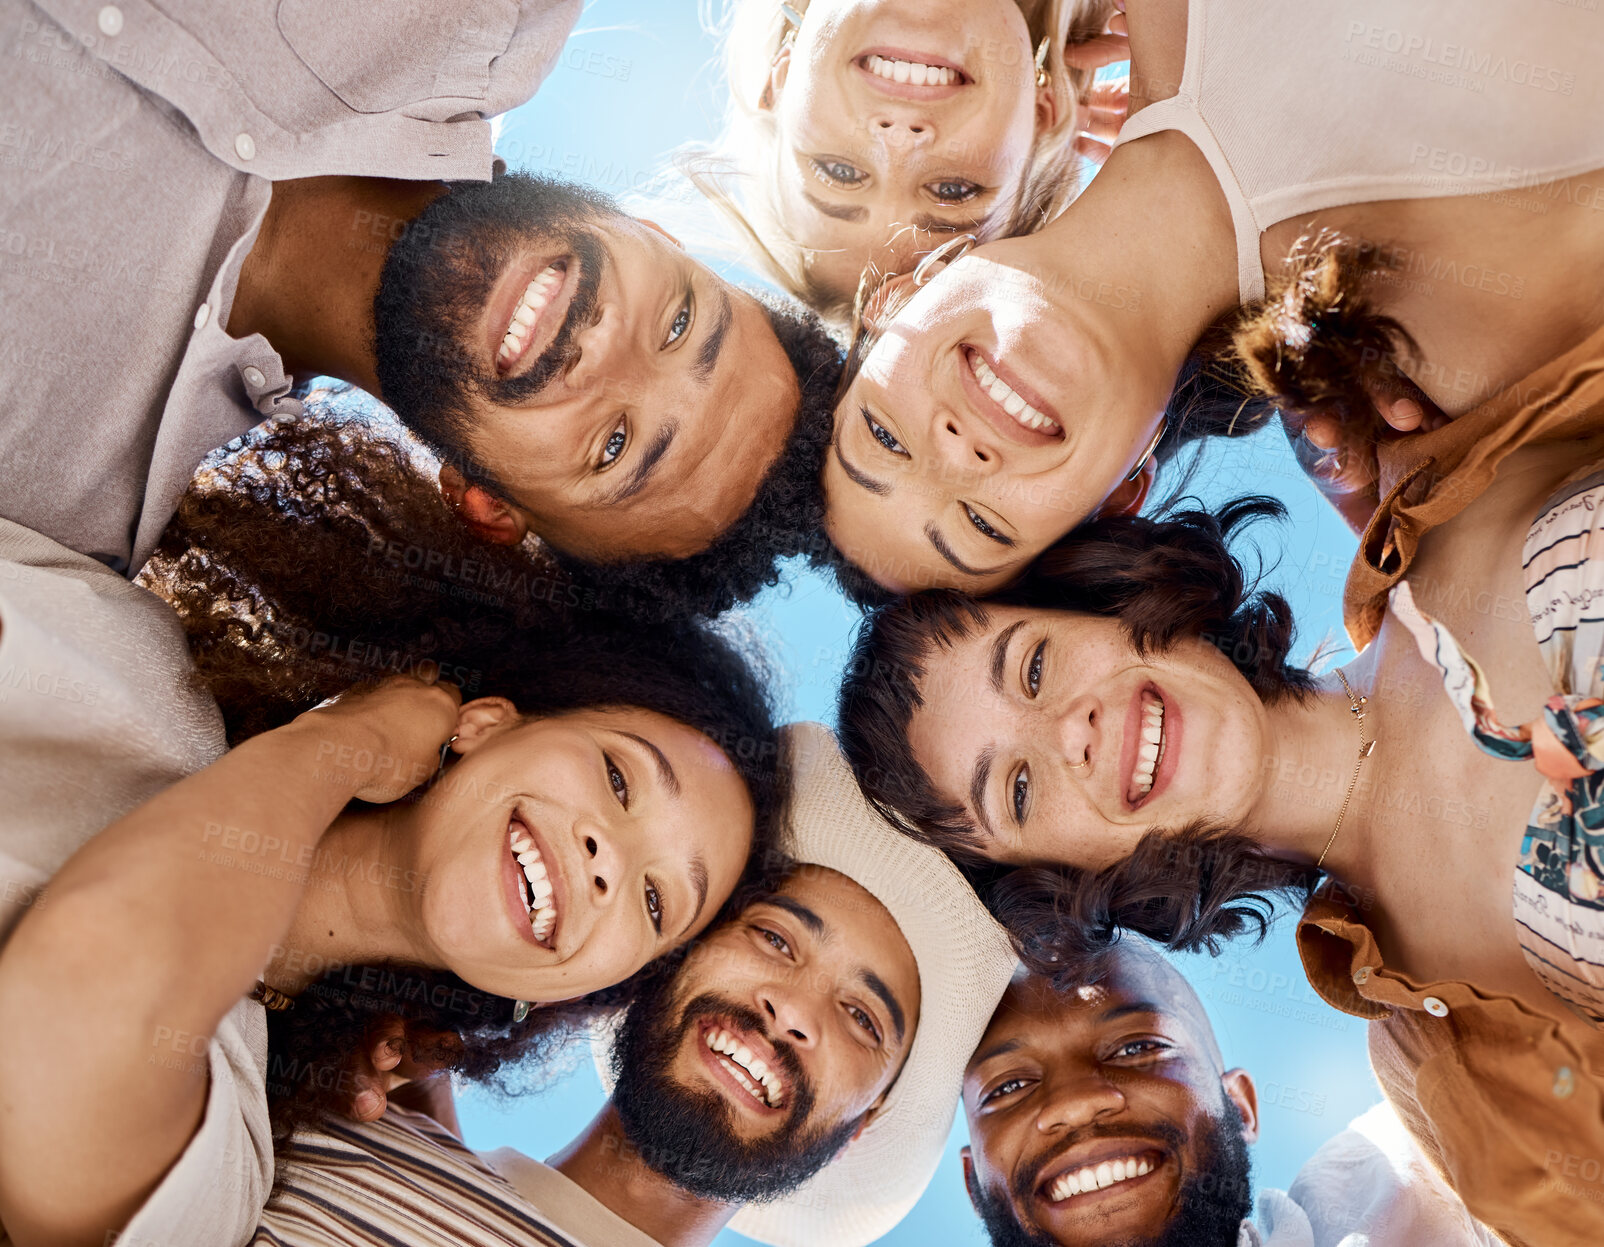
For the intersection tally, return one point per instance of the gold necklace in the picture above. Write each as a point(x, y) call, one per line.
point(1356, 706)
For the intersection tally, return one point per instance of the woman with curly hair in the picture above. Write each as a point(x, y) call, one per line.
point(1119, 743)
point(1289, 219)
point(263, 935)
point(860, 133)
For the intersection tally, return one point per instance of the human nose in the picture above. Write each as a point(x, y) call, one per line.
point(603, 861)
point(792, 1011)
point(603, 349)
point(1074, 1100)
point(965, 444)
point(902, 127)
point(1077, 730)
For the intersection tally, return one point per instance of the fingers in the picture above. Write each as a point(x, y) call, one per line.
point(1323, 432)
point(1105, 49)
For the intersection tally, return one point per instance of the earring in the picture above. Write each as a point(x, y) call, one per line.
point(792, 17)
point(1041, 61)
point(950, 252)
point(1163, 428)
point(444, 749)
point(520, 1010)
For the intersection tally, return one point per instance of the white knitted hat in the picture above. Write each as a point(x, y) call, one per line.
point(965, 962)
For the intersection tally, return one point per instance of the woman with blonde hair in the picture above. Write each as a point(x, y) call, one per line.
point(862, 133)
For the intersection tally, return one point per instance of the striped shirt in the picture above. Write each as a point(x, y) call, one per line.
point(407, 1180)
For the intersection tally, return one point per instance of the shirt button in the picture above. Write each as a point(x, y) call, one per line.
point(201, 313)
point(1564, 1082)
point(1435, 1007)
point(111, 21)
point(245, 145)
point(1361, 976)
point(253, 377)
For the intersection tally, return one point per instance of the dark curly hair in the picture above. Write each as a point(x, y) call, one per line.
point(294, 578)
point(785, 518)
point(1167, 580)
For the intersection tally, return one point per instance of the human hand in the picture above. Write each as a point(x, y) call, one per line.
point(1104, 105)
point(406, 1064)
point(387, 736)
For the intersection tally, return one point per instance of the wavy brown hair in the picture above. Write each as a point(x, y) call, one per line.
point(1169, 581)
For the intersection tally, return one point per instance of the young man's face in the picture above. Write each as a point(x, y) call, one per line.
point(1103, 1116)
point(626, 400)
point(780, 1034)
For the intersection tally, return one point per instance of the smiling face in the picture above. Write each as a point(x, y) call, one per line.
point(1103, 1115)
point(767, 1050)
point(562, 854)
point(891, 115)
point(624, 399)
point(1063, 745)
point(988, 419)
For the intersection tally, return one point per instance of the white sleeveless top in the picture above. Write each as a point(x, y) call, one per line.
point(1317, 103)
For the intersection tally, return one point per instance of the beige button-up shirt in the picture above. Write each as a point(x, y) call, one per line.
point(138, 144)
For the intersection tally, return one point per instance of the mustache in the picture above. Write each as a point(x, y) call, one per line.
point(1028, 1176)
point(799, 1090)
point(563, 353)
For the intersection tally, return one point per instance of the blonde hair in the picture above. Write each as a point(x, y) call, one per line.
point(736, 173)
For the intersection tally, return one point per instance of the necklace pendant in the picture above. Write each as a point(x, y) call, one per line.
point(1364, 749)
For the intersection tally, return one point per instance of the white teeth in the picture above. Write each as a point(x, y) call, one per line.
point(1152, 738)
point(914, 72)
point(764, 1084)
point(539, 890)
point(1106, 1174)
point(1001, 393)
point(536, 295)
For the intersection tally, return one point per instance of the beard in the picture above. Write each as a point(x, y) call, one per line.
point(1214, 1200)
point(437, 279)
point(687, 1135)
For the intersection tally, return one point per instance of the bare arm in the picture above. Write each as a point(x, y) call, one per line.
point(147, 940)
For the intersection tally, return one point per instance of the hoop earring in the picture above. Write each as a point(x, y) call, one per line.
point(951, 251)
point(1041, 61)
point(1163, 428)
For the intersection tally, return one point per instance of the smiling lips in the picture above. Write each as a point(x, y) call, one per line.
point(747, 1068)
point(1004, 396)
point(520, 329)
point(1104, 1174)
point(914, 72)
point(539, 895)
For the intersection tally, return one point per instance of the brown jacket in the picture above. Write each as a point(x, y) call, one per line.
point(1507, 1107)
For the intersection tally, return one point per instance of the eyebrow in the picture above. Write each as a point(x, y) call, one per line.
point(857, 477)
point(800, 912)
point(1136, 1006)
point(664, 767)
point(943, 549)
point(839, 211)
point(999, 655)
point(644, 465)
point(876, 984)
point(699, 882)
point(977, 787)
point(707, 355)
point(1001, 1048)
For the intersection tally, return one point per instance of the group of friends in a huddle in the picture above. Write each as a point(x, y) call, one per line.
point(354, 760)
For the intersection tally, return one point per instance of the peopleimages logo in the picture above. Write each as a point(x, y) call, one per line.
point(1458, 58)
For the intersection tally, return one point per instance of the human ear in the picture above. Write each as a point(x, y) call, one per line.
point(1128, 496)
point(1238, 1085)
point(775, 82)
point(481, 719)
point(653, 225)
point(485, 516)
point(971, 1182)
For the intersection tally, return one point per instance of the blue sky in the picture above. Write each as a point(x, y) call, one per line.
point(638, 78)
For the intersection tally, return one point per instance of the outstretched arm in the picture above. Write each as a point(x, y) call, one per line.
point(148, 936)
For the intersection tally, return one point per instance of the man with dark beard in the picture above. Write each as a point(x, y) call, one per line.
point(272, 191)
point(1105, 1116)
